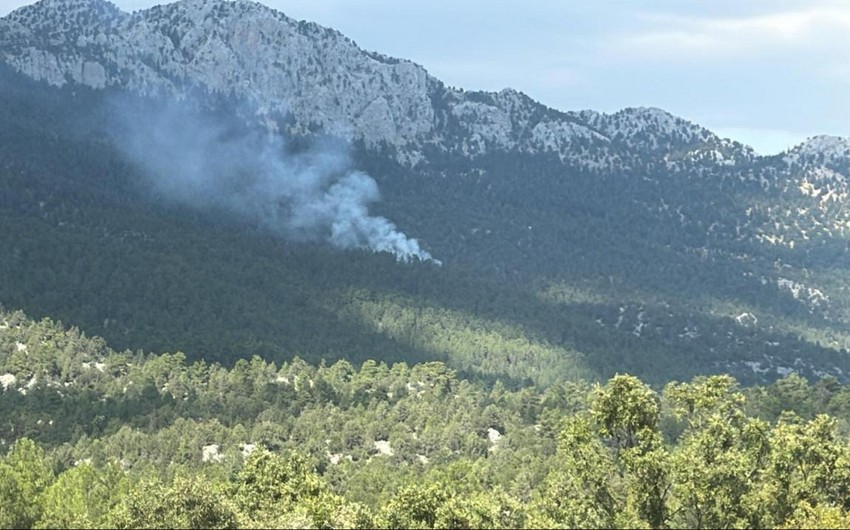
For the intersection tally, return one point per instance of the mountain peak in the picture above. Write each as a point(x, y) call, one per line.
point(48, 9)
point(825, 151)
point(651, 128)
point(56, 22)
point(656, 120)
point(219, 6)
point(831, 146)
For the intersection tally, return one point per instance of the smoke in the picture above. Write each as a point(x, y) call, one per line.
point(207, 162)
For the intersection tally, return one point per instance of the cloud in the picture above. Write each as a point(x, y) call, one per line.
point(669, 36)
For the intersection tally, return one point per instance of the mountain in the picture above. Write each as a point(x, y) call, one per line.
point(313, 73)
point(573, 243)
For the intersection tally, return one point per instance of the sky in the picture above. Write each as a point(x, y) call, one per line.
point(768, 73)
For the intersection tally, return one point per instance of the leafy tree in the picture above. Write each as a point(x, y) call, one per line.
point(13, 509)
point(818, 517)
point(25, 475)
point(716, 466)
point(623, 409)
point(580, 491)
point(188, 502)
point(279, 491)
point(482, 509)
point(415, 506)
point(82, 496)
point(808, 466)
point(648, 479)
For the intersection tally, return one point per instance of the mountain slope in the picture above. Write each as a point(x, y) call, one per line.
point(571, 240)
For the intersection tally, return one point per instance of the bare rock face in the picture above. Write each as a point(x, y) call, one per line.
point(319, 79)
point(315, 74)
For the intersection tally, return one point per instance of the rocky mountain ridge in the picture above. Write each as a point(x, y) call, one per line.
point(321, 78)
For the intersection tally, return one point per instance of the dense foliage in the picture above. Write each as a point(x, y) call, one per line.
point(98, 438)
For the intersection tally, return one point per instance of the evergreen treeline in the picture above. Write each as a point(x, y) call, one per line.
point(545, 276)
point(97, 438)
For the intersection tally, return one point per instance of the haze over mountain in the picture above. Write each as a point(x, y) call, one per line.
point(634, 240)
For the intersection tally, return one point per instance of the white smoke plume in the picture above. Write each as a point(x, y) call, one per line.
point(213, 163)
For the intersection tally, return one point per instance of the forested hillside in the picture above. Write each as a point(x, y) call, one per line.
point(98, 438)
point(89, 244)
point(300, 284)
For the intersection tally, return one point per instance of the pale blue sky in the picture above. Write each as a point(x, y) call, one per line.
point(767, 73)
